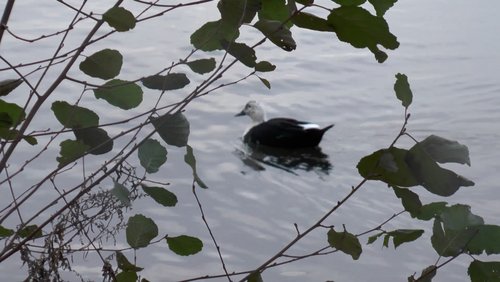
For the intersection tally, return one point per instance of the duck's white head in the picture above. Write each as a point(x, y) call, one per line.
point(254, 111)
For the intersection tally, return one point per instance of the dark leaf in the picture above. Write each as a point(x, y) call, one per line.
point(170, 81)
point(432, 210)
point(310, 21)
point(124, 264)
point(120, 93)
point(426, 276)
point(374, 238)
point(236, 12)
point(11, 114)
point(485, 240)
point(410, 200)
point(71, 150)
point(121, 193)
point(30, 229)
point(126, 276)
point(345, 242)
point(209, 36)
point(152, 155)
point(172, 128)
point(349, 2)
point(161, 195)
point(191, 161)
point(265, 82)
point(202, 66)
point(381, 6)
point(255, 277)
point(444, 151)
point(184, 245)
point(7, 85)
point(278, 34)
point(104, 64)
point(71, 116)
point(401, 236)
point(275, 10)
point(480, 271)
point(96, 138)
point(4, 232)
point(119, 18)
point(241, 51)
point(140, 231)
point(264, 66)
point(402, 89)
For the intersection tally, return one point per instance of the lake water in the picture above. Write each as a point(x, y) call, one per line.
point(450, 53)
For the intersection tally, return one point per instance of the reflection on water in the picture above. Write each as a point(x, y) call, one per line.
point(306, 159)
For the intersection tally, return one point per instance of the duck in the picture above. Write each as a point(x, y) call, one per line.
point(286, 133)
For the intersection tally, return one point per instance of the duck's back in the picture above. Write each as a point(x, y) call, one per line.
point(285, 133)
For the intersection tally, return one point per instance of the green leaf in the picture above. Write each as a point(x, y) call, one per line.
point(374, 238)
point(202, 66)
point(431, 176)
point(71, 150)
point(426, 276)
point(444, 151)
point(184, 245)
point(275, 10)
point(401, 236)
point(389, 166)
point(161, 196)
point(241, 51)
point(480, 271)
point(265, 82)
point(12, 114)
point(121, 193)
point(432, 210)
point(170, 81)
point(140, 231)
point(345, 242)
point(236, 12)
point(191, 161)
point(152, 155)
point(402, 89)
point(349, 2)
point(12, 134)
point(361, 29)
point(485, 240)
point(312, 22)
point(264, 66)
point(126, 276)
point(305, 2)
point(5, 232)
point(255, 277)
point(209, 36)
point(71, 116)
point(96, 138)
point(104, 64)
point(124, 264)
point(7, 85)
point(278, 34)
point(120, 93)
point(119, 18)
point(409, 199)
point(28, 230)
point(381, 6)
point(172, 128)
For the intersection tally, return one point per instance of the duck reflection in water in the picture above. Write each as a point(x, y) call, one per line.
point(284, 143)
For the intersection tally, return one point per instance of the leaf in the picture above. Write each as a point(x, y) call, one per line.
point(382, 6)
point(28, 230)
point(265, 82)
point(121, 193)
point(184, 245)
point(119, 18)
point(5, 232)
point(71, 116)
point(349, 2)
point(432, 210)
point(485, 240)
point(426, 276)
point(7, 85)
point(120, 93)
point(444, 151)
point(361, 29)
point(431, 176)
point(402, 89)
point(209, 36)
point(237, 12)
point(104, 64)
point(172, 128)
point(191, 161)
point(484, 271)
point(275, 10)
point(264, 66)
point(374, 238)
point(96, 138)
point(12, 134)
point(312, 22)
point(124, 264)
point(12, 114)
point(140, 231)
point(345, 242)
point(241, 51)
point(202, 66)
point(152, 155)
point(389, 166)
point(255, 277)
point(278, 34)
point(401, 236)
point(409, 199)
point(161, 196)
point(126, 276)
point(71, 150)
point(170, 81)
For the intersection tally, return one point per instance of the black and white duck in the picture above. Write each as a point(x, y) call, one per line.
point(284, 133)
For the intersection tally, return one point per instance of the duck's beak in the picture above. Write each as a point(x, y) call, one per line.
point(242, 113)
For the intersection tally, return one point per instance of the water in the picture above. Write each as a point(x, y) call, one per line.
point(450, 54)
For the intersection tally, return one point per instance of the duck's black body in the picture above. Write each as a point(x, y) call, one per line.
point(285, 133)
